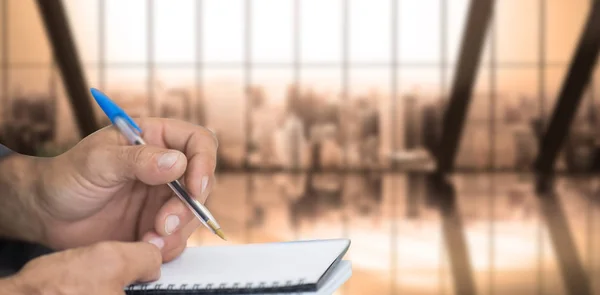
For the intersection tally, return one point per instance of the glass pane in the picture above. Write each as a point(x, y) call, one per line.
point(126, 31)
point(272, 30)
point(228, 202)
point(367, 118)
point(3, 37)
point(320, 31)
point(279, 207)
point(270, 91)
point(565, 22)
point(474, 201)
point(175, 31)
point(519, 225)
point(27, 38)
point(479, 109)
point(175, 93)
point(517, 95)
point(29, 81)
point(84, 21)
point(517, 108)
point(224, 107)
point(320, 115)
point(67, 131)
point(92, 75)
point(455, 27)
point(418, 244)
point(367, 211)
point(419, 36)
point(474, 147)
point(370, 31)
point(517, 30)
point(419, 108)
point(554, 82)
point(576, 199)
point(319, 206)
point(128, 87)
point(30, 107)
point(223, 28)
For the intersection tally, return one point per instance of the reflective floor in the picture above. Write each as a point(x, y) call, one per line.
point(412, 234)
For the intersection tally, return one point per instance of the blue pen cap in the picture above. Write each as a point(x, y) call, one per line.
point(111, 109)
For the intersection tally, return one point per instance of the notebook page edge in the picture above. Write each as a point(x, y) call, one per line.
point(323, 277)
point(337, 280)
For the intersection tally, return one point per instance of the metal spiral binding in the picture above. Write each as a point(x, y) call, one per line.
point(237, 286)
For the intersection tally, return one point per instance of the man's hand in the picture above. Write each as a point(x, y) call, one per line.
point(104, 268)
point(105, 189)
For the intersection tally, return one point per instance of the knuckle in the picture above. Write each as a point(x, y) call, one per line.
point(111, 255)
point(156, 257)
point(205, 132)
point(153, 255)
point(213, 135)
point(209, 162)
point(138, 156)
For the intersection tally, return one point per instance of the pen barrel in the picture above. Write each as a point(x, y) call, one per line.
point(132, 136)
point(193, 204)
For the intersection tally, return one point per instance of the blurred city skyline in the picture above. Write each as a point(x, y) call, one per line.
point(206, 55)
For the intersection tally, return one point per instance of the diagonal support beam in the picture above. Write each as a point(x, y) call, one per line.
point(479, 17)
point(571, 93)
point(65, 53)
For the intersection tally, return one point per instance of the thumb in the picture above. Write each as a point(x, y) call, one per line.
point(149, 164)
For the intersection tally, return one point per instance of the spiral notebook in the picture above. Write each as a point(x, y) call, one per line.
point(306, 267)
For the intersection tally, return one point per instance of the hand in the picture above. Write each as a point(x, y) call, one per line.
point(105, 189)
point(101, 269)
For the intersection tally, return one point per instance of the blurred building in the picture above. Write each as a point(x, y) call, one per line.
point(31, 123)
point(411, 122)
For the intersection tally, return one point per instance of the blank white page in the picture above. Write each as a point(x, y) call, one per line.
point(223, 266)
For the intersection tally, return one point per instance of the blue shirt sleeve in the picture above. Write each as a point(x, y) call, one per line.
point(4, 151)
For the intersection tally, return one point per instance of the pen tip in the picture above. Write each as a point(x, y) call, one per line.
point(219, 233)
point(216, 229)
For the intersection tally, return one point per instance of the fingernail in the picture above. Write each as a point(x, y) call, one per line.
point(167, 160)
point(158, 242)
point(171, 224)
point(204, 184)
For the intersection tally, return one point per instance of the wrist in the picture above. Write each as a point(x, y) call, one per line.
point(20, 216)
point(11, 285)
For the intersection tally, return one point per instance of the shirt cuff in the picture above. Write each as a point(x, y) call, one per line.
point(4, 151)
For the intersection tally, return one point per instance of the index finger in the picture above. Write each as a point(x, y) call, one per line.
point(197, 143)
point(200, 147)
point(175, 134)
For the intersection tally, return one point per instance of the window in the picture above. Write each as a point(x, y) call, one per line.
point(126, 31)
point(170, 59)
point(175, 31)
point(27, 42)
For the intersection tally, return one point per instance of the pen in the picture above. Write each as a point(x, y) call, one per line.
point(132, 132)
